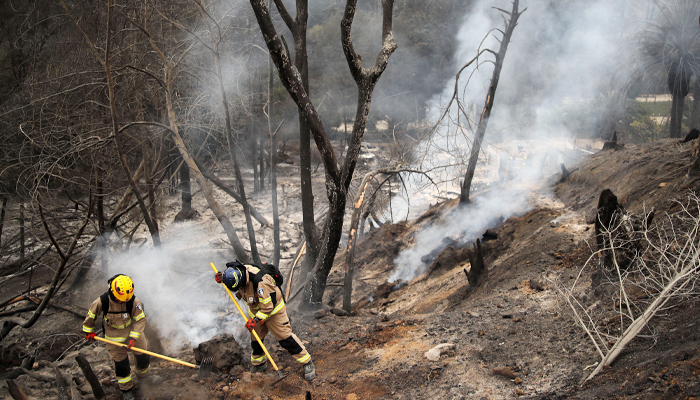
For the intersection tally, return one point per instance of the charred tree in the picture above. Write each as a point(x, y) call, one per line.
point(695, 111)
point(3, 207)
point(488, 105)
point(608, 209)
point(477, 271)
point(338, 177)
point(297, 26)
point(276, 252)
point(185, 188)
point(354, 233)
point(116, 132)
point(618, 236)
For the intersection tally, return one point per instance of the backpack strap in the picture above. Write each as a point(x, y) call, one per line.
point(105, 305)
point(257, 278)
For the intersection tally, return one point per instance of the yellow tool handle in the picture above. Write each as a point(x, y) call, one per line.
point(146, 352)
point(246, 320)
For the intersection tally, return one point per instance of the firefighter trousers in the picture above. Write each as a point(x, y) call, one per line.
point(279, 326)
point(122, 369)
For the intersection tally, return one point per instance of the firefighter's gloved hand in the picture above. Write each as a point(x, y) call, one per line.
point(250, 325)
point(90, 337)
point(219, 277)
point(132, 343)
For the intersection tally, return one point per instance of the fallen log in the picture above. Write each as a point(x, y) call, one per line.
point(15, 391)
point(20, 310)
point(92, 379)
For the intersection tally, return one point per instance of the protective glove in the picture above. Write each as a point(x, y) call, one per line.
point(90, 337)
point(132, 343)
point(219, 277)
point(250, 325)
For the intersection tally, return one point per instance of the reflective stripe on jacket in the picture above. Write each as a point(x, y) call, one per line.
point(118, 324)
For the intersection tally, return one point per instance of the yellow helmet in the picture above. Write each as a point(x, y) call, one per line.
point(122, 287)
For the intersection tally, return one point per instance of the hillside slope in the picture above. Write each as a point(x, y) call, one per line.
point(512, 336)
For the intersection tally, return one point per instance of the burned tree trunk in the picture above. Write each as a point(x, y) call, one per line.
point(618, 235)
point(2, 215)
point(608, 207)
point(21, 231)
point(229, 136)
point(185, 188)
point(477, 272)
point(488, 105)
point(338, 177)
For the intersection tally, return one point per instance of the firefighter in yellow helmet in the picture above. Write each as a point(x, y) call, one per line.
point(124, 322)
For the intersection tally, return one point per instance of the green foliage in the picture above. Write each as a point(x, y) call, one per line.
point(645, 129)
point(656, 108)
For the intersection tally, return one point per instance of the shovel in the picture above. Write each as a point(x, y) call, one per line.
point(279, 373)
point(205, 369)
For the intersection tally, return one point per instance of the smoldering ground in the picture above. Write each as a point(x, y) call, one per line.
point(176, 284)
point(558, 52)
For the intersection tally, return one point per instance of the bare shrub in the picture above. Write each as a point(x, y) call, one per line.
point(662, 271)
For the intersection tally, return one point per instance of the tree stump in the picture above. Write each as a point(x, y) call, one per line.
point(477, 272)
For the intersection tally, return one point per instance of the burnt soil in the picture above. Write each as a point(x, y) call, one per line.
point(515, 318)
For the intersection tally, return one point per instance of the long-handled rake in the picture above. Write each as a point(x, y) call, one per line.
point(255, 334)
point(204, 369)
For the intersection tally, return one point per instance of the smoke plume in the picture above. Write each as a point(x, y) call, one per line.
point(561, 53)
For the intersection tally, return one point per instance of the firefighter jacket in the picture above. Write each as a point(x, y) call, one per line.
point(119, 324)
point(261, 293)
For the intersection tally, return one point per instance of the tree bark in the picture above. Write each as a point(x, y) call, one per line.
point(2, 215)
point(298, 27)
point(677, 104)
point(695, 112)
point(15, 391)
point(185, 188)
point(337, 178)
point(21, 231)
point(92, 379)
point(490, 96)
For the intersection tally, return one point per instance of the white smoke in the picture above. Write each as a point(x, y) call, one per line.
point(176, 285)
point(560, 53)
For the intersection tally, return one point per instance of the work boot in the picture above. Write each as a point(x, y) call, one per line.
point(258, 368)
point(127, 395)
point(151, 380)
point(309, 371)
